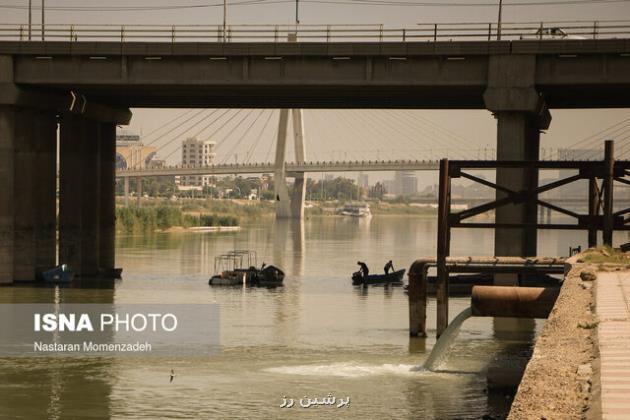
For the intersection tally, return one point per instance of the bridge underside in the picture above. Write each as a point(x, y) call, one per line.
point(88, 87)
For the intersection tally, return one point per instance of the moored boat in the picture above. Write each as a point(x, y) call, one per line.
point(238, 268)
point(60, 274)
point(356, 210)
point(270, 276)
point(395, 278)
point(228, 278)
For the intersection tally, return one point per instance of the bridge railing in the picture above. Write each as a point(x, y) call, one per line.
point(429, 32)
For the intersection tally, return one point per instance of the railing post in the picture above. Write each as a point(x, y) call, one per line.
point(404, 35)
point(21, 30)
point(593, 211)
point(443, 246)
point(435, 33)
point(540, 30)
point(380, 33)
point(609, 167)
point(122, 34)
point(327, 33)
point(489, 31)
point(275, 33)
point(71, 33)
point(172, 34)
point(595, 29)
point(417, 292)
point(218, 33)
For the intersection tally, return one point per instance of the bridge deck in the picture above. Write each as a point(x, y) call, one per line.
point(448, 75)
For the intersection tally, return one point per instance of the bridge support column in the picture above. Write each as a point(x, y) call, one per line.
point(107, 196)
point(79, 194)
point(27, 193)
point(521, 113)
point(518, 138)
point(126, 189)
point(289, 205)
point(138, 191)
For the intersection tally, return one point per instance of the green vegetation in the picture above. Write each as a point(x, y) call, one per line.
point(403, 209)
point(132, 220)
point(605, 254)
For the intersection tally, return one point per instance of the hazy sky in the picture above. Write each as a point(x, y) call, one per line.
point(332, 134)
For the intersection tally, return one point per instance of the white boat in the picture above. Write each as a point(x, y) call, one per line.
point(356, 210)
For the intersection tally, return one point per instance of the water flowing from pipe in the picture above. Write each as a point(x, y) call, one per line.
point(445, 341)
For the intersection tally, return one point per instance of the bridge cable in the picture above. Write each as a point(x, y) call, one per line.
point(177, 126)
point(179, 136)
point(595, 140)
point(252, 149)
point(166, 124)
point(247, 130)
point(453, 141)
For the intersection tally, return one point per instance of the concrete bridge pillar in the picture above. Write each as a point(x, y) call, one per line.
point(107, 195)
point(27, 192)
point(521, 114)
point(79, 198)
point(289, 205)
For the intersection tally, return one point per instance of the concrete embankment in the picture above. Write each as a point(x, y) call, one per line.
point(580, 367)
point(558, 381)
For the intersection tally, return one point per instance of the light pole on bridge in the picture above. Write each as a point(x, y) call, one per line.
point(499, 20)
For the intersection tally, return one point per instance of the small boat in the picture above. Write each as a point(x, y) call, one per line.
point(227, 278)
point(110, 273)
point(356, 210)
point(395, 278)
point(60, 274)
point(238, 267)
point(270, 276)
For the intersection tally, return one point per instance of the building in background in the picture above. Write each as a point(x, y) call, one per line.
point(131, 153)
point(195, 154)
point(363, 180)
point(404, 183)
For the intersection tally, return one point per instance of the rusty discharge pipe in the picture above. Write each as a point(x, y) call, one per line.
point(513, 302)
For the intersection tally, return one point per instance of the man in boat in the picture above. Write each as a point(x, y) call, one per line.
point(364, 269)
point(388, 266)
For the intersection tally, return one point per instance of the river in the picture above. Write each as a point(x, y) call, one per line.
point(316, 335)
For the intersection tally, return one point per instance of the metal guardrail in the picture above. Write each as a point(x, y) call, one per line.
point(429, 32)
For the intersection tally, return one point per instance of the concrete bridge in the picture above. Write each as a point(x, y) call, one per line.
point(289, 167)
point(86, 89)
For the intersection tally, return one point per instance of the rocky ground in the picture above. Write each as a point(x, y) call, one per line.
point(559, 379)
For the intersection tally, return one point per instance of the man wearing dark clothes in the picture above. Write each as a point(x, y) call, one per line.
point(389, 266)
point(364, 269)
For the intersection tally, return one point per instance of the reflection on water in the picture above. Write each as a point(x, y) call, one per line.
point(317, 334)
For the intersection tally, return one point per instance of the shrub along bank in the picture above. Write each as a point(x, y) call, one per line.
point(149, 219)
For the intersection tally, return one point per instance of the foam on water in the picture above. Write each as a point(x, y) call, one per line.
point(346, 370)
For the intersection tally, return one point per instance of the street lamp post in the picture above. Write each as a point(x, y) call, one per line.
point(43, 19)
point(499, 21)
point(30, 17)
point(297, 12)
point(224, 20)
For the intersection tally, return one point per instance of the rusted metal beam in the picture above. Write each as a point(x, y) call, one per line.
point(593, 211)
point(417, 292)
point(513, 302)
point(608, 185)
point(443, 246)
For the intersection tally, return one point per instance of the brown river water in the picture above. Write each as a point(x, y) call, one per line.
point(316, 335)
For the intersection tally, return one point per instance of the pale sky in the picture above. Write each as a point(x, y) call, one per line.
point(341, 134)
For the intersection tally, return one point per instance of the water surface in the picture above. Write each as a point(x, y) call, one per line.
point(316, 335)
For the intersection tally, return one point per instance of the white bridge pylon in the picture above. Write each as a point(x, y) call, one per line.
point(290, 205)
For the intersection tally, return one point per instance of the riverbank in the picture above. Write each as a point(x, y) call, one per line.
point(253, 210)
point(133, 220)
point(562, 379)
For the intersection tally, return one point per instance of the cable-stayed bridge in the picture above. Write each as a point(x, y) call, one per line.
point(289, 167)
